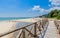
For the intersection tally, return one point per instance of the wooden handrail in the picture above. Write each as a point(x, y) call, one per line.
point(44, 21)
point(57, 25)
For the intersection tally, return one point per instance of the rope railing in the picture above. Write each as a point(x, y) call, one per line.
point(36, 29)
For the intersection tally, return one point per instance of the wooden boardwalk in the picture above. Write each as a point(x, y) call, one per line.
point(51, 31)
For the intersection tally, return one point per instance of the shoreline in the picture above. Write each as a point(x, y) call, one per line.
point(9, 25)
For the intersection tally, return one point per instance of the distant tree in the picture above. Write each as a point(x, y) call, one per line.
point(58, 17)
point(54, 14)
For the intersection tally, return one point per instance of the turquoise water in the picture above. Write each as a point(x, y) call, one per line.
point(12, 18)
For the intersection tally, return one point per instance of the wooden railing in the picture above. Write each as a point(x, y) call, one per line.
point(35, 30)
point(57, 25)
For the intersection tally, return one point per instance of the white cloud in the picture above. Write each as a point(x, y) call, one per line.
point(39, 8)
point(55, 2)
point(41, 11)
point(36, 8)
point(53, 8)
point(54, 5)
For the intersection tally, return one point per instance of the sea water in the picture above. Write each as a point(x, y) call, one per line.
point(12, 18)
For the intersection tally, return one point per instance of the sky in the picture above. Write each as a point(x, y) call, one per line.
point(27, 8)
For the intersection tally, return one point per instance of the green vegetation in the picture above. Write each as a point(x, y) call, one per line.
point(54, 14)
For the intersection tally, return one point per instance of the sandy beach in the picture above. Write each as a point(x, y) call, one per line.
point(6, 26)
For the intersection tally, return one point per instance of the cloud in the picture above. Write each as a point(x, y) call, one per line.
point(55, 2)
point(53, 8)
point(41, 10)
point(36, 8)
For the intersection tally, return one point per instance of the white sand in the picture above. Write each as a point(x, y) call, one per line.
point(6, 26)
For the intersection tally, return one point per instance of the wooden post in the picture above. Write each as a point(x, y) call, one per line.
point(40, 27)
point(35, 30)
point(42, 24)
point(23, 32)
